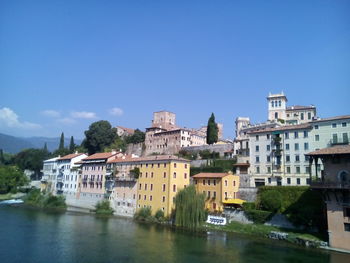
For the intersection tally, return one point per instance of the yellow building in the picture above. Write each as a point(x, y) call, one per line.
point(217, 187)
point(160, 178)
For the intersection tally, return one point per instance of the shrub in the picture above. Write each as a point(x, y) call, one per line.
point(103, 208)
point(249, 206)
point(36, 198)
point(258, 216)
point(159, 215)
point(52, 201)
point(271, 201)
point(144, 214)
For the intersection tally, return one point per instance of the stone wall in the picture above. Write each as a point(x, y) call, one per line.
point(220, 148)
point(247, 193)
point(136, 149)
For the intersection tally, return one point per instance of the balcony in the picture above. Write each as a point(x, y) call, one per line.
point(329, 185)
point(339, 141)
point(44, 178)
point(125, 179)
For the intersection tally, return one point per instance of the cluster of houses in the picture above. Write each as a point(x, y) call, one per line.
point(293, 147)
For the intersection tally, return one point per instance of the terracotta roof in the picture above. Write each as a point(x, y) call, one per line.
point(284, 128)
point(70, 156)
point(148, 158)
point(298, 107)
point(210, 175)
point(338, 149)
point(333, 118)
point(128, 130)
point(98, 156)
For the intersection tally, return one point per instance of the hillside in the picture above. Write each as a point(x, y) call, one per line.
point(11, 144)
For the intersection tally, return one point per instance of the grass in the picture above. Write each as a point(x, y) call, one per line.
point(264, 230)
point(5, 196)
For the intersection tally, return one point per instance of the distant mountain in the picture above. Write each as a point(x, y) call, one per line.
point(11, 144)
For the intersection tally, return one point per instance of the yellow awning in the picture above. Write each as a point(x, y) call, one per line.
point(233, 201)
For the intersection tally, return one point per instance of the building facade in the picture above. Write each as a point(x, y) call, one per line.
point(334, 184)
point(217, 188)
point(49, 175)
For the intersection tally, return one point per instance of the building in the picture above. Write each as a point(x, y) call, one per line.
point(122, 131)
point(93, 177)
point(67, 182)
point(49, 175)
point(218, 189)
point(160, 178)
point(334, 183)
point(277, 155)
point(121, 185)
point(278, 110)
point(165, 137)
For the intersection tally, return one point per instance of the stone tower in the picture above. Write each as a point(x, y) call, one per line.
point(277, 105)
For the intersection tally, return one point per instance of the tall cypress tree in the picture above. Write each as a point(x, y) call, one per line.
point(61, 146)
point(2, 159)
point(71, 145)
point(45, 147)
point(212, 130)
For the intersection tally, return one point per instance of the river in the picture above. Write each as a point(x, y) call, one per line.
point(28, 235)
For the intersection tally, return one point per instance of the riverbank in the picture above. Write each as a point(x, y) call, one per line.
point(10, 196)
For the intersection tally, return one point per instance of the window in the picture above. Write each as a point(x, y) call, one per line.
point(287, 146)
point(152, 174)
point(257, 159)
point(203, 182)
point(316, 127)
point(288, 170)
point(214, 182)
point(335, 138)
point(306, 134)
point(276, 115)
point(214, 194)
point(234, 183)
point(185, 165)
point(185, 175)
point(145, 186)
point(279, 103)
point(297, 158)
point(164, 174)
point(140, 186)
point(345, 137)
point(298, 180)
point(174, 175)
point(297, 169)
point(150, 198)
point(268, 158)
point(347, 227)
point(208, 194)
point(309, 115)
point(288, 180)
point(163, 199)
point(334, 125)
point(306, 146)
point(174, 165)
point(307, 158)
point(286, 135)
point(164, 165)
point(346, 211)
point(307, 169)
point(163, 187)
point(144, 197)
point(208, 181)
point(268, 147)
point(174, 188)
point(287, 158)
point(296, 134)
point(151, 187)
point(269, 169)
point(317, 137)
point(257, 169)
point(225, 182)
point(139, 197)
point(302, 116)
point(257, 148)
point(158, 165)
point(268, 136)
point(343, 124)
point(296, 146)
point(257, 137)
point(226, 197)
point(272, 104)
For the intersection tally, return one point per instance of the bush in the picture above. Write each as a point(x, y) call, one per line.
point(159, 215)
point(52, 201)
point(249, 206)
point(103, 208)
point(271, 201)
point(36, 198)
point(144, 214)
point(258, 216)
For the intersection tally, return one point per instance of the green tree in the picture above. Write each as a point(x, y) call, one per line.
point(2, 159)
point(45, 147)
point(135, 138)
point(11, 178)
point(271, 201)
point(71, 145)
point(31, 159)
point(189, 208)
point(99, 135)
point(61, 145)
point(212, 130)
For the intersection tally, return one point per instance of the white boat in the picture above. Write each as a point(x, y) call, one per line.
point(11, 202)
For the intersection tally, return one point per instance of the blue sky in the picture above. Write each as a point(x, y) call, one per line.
point(66, 64)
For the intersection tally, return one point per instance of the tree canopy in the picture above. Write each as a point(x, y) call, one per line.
point(137, 137)
point(71, 145)
point(189, 208)
point(31, 159)
point(99, 135)
point(11, 178)
point(212, 130)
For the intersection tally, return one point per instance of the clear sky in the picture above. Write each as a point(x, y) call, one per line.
point(66, 64)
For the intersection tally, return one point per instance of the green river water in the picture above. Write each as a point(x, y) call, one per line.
point(28, 235)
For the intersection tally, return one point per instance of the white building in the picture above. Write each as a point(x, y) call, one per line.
point(49, 175)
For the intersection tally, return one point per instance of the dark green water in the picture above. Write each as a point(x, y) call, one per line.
point(28, 235)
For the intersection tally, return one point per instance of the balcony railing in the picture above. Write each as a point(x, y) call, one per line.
point(339, 141)
point(328, 185)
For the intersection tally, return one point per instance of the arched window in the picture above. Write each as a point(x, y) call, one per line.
point(279, 103)
point(272, 104)
point(276, 115)
point(344, 177)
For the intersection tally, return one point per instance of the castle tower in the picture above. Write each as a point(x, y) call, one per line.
point(164, 119)
point(277, 105)
point(241, 122)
